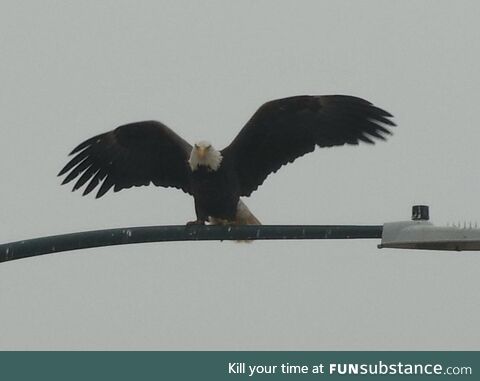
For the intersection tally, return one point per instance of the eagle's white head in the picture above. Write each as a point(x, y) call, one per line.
point(203, 154)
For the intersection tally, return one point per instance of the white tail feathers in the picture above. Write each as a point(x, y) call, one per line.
point(244, 216)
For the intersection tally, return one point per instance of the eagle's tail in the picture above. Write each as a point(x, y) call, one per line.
point(244, 216)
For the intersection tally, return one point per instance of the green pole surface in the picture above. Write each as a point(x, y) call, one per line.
point(123, 236)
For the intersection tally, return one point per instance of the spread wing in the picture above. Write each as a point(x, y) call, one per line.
point(131, 155)
point(285, 129)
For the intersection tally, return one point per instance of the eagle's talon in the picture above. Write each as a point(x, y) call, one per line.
point(195, 222)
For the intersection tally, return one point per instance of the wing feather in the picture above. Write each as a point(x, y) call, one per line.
point(134, 154)
point(284, 129)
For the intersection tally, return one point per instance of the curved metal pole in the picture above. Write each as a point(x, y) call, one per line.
point(123, 236)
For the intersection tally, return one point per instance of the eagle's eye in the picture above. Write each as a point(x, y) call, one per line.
point(196, 146)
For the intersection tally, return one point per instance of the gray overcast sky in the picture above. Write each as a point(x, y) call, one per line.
point(70, 70)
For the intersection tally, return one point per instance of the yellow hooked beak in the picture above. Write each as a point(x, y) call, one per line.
point(201, 152)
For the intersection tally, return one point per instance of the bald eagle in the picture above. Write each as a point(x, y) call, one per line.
point(279, 132)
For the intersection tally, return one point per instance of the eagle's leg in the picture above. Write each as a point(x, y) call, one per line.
point(202, 217)
point(220, 221)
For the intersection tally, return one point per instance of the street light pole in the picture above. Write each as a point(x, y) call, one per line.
point(123, 236)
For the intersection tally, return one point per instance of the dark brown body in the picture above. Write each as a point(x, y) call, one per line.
point(214, 193)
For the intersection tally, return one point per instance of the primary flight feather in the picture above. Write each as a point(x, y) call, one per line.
point(279, 132)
